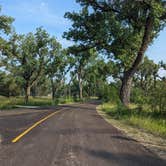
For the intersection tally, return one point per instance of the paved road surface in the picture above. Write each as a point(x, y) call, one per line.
point(77, 136)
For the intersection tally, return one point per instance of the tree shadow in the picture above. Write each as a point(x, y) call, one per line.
point(125, 138)
point(122, 159)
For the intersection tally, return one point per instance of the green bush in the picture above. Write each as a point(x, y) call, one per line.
point(138, 96)
point(157, 98)
point(109, 93)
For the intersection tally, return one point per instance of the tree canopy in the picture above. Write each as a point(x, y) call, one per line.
point(123, 29)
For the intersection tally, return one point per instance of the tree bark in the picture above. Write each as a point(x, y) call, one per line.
point(53, 89)
point(80, 82)
point(80, 89)
point(53, 93)
point(128, 75)
point(69, 91)
point(126, 89)
point(27, 93)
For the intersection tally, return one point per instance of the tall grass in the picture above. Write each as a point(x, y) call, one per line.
point(13, 102)
point(142, 118)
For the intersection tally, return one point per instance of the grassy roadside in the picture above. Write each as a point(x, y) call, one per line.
point(12, 102)
point(144, 119)
point(7, 103)
point(149, 131)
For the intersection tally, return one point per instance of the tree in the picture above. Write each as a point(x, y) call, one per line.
point(55, 68)
point(26, 56)
point(5, 28)
point(147, 75)
point(80, 60)
point(96, 77)
point(124, 29)
point(9, 85)
point(42, 87)
point(6, 22)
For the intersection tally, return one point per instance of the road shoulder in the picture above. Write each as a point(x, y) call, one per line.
point(154, 143)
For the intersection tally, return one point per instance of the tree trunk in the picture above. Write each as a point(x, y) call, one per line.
point(53, 89)
point(128, 75)
point(53, 93)
point(80, 89)
point(126, 89)
point(27, 93)
point(69, 90)
point(80, 83)
point(89, 91)
point(33, 91)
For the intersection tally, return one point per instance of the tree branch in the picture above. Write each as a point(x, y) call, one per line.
point(104, 8)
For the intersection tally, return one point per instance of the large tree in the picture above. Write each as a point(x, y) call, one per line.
point(96, 77)
point(5, 28)
point(5, 23)
point(79, 61)
point(56, 67)
point(26, 56)
point(147, 75)
point(122, 28)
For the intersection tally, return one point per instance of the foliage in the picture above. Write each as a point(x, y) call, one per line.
point(150, 87)
point(8, 85)
point(109, 93)
point(80, 62)
point(124, 31)
point(145, 119)
point(157, 98)
point(56, 67)
point(5, 28)
point(5, 25)
point(27, 56)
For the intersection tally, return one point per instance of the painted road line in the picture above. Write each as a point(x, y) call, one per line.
point(33, 126)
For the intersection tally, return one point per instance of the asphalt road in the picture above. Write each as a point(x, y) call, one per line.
point(76, 136)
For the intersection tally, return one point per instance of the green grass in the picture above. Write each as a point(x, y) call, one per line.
point(12, 102)
point(134, 116)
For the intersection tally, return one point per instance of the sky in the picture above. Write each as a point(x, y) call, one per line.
point(30, 14)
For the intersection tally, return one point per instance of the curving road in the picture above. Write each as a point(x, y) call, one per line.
point(76, 136)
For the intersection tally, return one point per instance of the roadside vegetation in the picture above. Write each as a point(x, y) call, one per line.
point(144, 119)
point(14, 102)
point(148, 108)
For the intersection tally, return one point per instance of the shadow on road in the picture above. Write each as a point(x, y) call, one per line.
point(122, 159)
point(125, 138)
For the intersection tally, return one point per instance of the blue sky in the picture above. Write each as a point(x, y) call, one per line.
point(30, 14)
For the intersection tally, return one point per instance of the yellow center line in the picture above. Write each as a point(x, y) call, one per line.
point(33, 126)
